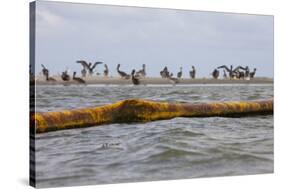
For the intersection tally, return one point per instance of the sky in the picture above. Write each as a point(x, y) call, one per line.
point(132, 36)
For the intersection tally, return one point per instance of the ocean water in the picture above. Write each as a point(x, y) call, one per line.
point(179, 148)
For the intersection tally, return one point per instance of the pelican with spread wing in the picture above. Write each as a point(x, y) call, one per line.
point(88, 66)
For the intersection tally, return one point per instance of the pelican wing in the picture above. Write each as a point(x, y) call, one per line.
point(95, 64)
point(225, 67)
point(84, 64)
point(237, 68)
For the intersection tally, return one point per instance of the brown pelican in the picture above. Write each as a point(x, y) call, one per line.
point(88, 66)
point(65, 76)
point(224, 74)
point(172, 79)
point(239, 74)
point(91, 69)
point(135, 80)
point(253, 73)
point(192, 73)
point(85, 66)
point(106, 71)
point(121, 73)
point(165, 73)
point(180, 73)
point(216, 74)
point(83, 72)
point(45, 71)
point(229, 70)
point(247, 72)
point(49, 78)
point(78, 79)
point(142, 72)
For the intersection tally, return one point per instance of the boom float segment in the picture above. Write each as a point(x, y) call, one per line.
point(137, 110)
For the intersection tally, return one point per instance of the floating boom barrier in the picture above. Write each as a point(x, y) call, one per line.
point(137, 110)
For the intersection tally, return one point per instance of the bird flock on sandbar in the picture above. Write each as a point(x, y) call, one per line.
point(88, 70)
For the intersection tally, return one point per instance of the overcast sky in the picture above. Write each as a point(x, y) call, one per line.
point(66, 32)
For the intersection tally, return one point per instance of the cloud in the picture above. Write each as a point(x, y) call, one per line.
point(158, 37)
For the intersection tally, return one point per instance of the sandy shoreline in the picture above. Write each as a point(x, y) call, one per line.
point(152, 81)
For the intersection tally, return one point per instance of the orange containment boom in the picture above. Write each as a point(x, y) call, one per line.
point(137, 110)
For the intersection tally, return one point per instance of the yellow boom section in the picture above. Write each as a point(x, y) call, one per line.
point(137, 110)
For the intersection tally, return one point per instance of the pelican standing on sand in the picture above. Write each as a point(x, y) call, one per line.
point(180, 73)
point(239, 74)
point(142, 72)
point(65, 76)
point(106, 71)
point(192, 73)
point(135, 80)
point(216, 74)
point(121, 73)
point(247, 72)
point(253, 73)
point(78, 79)
point(224, 74)
point(49, 78)
point(165, 73)
point(173, 79)
point(45, 71)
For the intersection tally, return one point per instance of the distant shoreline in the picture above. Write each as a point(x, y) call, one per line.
point(100, 80)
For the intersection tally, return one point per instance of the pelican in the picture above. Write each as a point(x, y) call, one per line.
point(49, 78)
point(135, 80)
point(78, 79)
point(88, 66)
point(165, 73)
point(142, 72)
point(45, 71)
point(224, 74)
point(121, 73)
point(65, 76)
point(106, 71)
point(192, 73)
point(180, 73)
point(173, 79)
point(229, 70)
point(238, 73)
point(91, 69)
point(216, 74)
point(253, 73)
